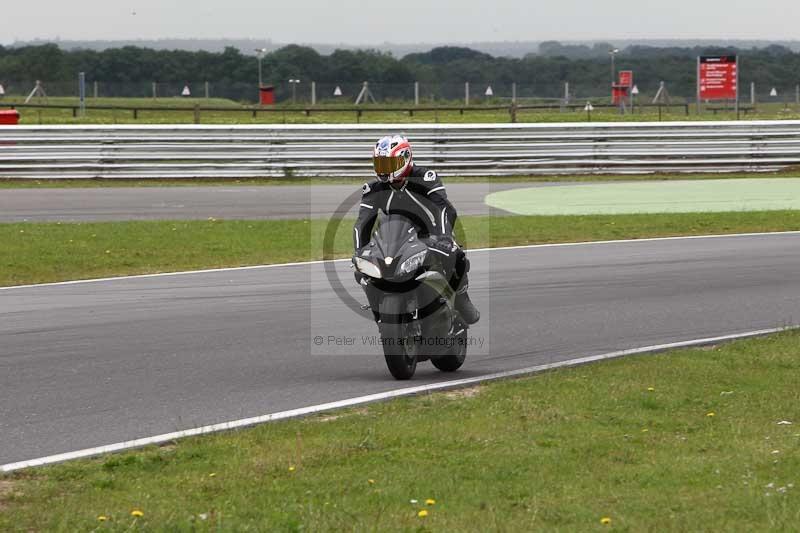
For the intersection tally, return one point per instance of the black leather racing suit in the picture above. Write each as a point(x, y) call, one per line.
point(422, 198)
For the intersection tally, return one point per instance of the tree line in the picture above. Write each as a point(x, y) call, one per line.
point(542, 74)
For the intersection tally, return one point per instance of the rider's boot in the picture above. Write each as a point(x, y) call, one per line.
point(464, 305)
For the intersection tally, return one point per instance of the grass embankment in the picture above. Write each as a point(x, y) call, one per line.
point(24, 183)
point(43, 252)
point(175, 101)
point(328, 114)
point(690, 440)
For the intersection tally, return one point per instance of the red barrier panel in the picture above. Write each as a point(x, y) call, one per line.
point(266, 95)
point(9, 117)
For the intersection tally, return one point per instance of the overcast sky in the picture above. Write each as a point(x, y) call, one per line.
point(406, 21)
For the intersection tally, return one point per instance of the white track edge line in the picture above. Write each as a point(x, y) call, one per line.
point(317, 262)
point(371, 398)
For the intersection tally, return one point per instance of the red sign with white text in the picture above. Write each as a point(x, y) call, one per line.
point(718, 78)
point(626, 78)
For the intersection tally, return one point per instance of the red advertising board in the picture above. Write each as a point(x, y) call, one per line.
point(619, 94)
point(625, 78)
point(717, 78)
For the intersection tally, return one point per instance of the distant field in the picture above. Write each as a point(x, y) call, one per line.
point(328, 115)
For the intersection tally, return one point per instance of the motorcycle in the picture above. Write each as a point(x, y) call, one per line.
point(406, 279)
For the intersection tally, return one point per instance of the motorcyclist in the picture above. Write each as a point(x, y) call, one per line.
point(418, 193)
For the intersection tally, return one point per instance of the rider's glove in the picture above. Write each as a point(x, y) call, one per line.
point(443, 243)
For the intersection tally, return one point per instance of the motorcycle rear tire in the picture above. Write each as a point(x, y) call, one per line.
point(456, 357)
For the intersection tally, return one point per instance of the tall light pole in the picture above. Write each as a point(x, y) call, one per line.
point(294, 89)
point(613, 53)
point(260, 55)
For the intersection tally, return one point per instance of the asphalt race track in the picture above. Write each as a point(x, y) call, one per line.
point(89, 364)
point(235, 202)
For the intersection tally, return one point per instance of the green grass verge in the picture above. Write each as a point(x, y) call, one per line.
point(171, 101)
point(685, 441)
point(21, 183)
point(44, 252)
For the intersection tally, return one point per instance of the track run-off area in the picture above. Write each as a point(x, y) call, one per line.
point(89, 364)
point(695, 196)
point(320, 201)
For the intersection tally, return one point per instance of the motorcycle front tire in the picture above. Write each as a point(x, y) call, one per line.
point(399, 348)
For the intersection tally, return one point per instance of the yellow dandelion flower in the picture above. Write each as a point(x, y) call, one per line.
point(430, 501)
point(422, 514)
point(137, 513)
point(108, 251)
point(710, 414)
point(651, 389)
point(605, 520)
point(102, 518)
point(212, 474)
point(645, 430)
point(291, 469)
point(371, 481)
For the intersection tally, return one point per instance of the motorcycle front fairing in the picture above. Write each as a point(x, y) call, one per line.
point(406, 279)
point(395, 245)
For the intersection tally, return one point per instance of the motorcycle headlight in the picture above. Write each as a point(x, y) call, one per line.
point(411, 264)
point(367, 267)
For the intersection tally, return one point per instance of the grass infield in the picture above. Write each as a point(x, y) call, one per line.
point(684, 441)
point(46, 252)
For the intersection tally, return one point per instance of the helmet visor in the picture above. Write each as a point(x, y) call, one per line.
point(388, 165)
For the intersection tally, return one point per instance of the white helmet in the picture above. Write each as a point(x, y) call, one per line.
point(392, 159)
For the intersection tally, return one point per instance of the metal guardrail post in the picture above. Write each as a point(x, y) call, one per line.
point(512, 110)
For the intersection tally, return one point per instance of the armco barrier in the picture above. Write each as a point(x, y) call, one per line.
point(344, 150)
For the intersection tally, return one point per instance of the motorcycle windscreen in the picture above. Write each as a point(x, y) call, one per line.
point(393, 233)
